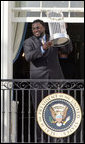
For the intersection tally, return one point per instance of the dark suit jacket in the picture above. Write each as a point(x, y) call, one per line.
point(42, 66)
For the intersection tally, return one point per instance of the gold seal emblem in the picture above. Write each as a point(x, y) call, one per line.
point(59, 115)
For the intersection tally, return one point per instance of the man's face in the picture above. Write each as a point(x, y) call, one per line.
point(38, 29)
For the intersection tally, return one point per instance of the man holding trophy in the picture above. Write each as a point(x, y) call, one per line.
point(42, 55)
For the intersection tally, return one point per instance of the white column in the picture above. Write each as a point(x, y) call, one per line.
point(6, 42)
point(6, 60)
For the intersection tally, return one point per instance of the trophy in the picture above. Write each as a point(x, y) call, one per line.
point(57, 28)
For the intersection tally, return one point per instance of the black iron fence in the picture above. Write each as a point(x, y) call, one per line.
point(22, 98)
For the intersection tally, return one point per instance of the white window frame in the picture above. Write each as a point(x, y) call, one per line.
point(41, 9)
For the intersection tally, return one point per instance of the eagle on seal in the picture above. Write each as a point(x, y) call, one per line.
point(59, 114)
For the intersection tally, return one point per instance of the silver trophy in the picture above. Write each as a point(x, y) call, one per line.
point(57, 28)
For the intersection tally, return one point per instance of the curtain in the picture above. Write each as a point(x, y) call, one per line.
point(19, 36)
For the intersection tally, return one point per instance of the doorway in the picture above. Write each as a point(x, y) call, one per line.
point(76, 33)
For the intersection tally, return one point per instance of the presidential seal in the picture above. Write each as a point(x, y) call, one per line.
point(59, 115)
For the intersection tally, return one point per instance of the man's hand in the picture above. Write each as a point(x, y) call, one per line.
point(47, 45)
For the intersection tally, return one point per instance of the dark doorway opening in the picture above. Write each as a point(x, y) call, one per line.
point(76, 33)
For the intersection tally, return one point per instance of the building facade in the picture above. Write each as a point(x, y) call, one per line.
point(14, 17)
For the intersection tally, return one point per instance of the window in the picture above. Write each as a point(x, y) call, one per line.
point(73, 10)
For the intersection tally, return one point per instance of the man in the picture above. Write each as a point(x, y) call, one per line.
point(43, 57)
